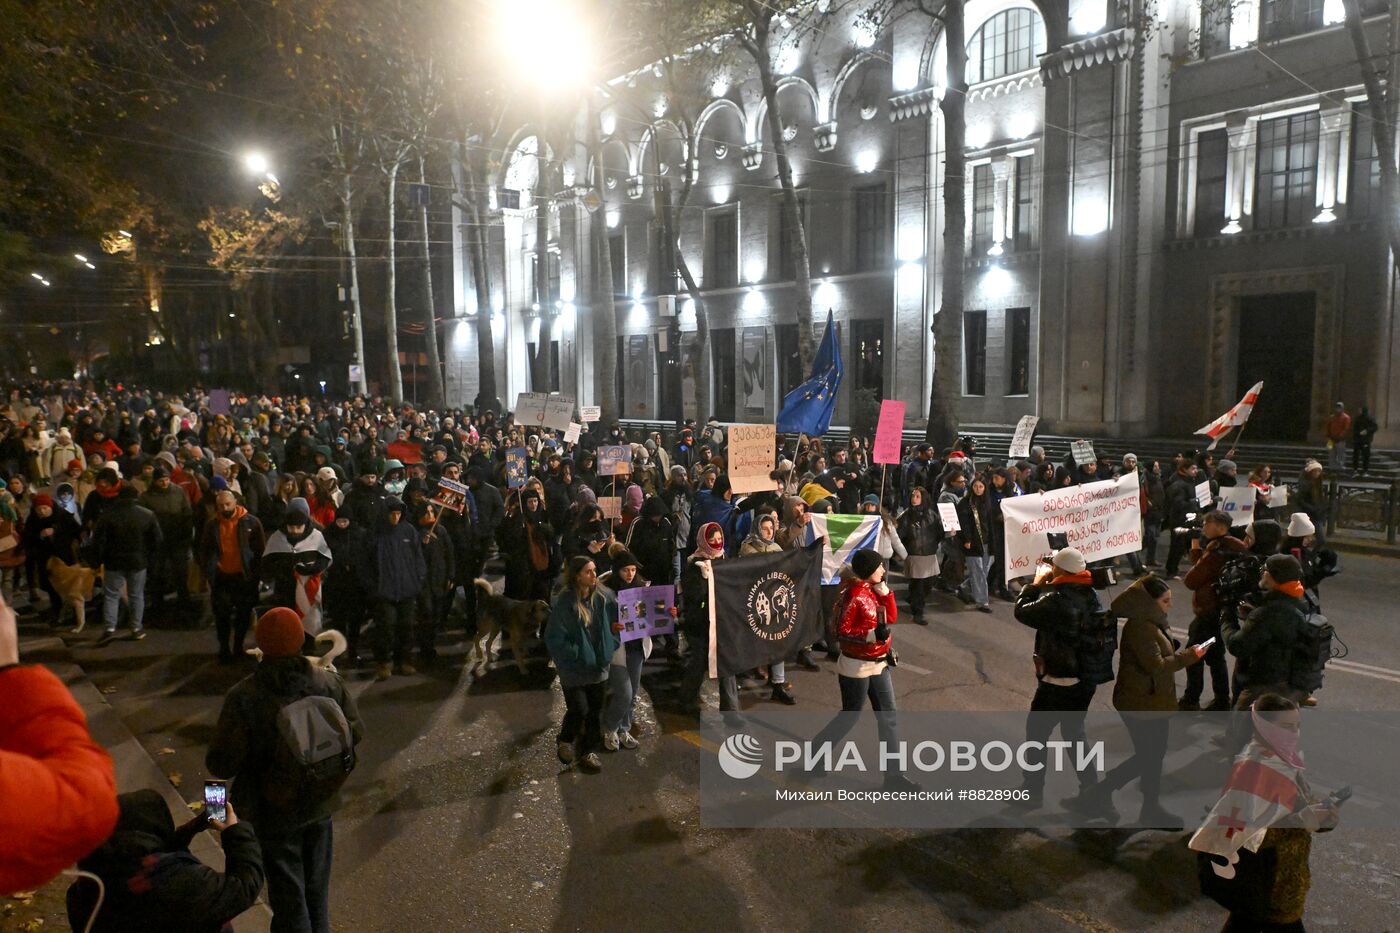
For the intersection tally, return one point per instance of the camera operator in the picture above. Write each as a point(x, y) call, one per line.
point(1212, 552)
point(1181, 505)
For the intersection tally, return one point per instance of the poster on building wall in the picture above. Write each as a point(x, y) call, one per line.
point(638, 389)
point(1021, 440)
point(753, 382)
point(1102, 520)
point(688, 406)
point(752, 451)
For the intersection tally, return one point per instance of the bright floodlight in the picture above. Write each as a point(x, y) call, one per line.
point(555, 36)
point(256, 163)
point(80, 257)
point(35, 275)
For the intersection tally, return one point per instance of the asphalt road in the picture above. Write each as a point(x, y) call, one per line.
point(460, 817)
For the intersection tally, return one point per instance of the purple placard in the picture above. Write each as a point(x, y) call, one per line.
point(646, 610)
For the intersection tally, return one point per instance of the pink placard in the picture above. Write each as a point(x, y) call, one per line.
point(889, 432)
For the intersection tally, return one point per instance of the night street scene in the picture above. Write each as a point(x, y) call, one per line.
point(670, 465)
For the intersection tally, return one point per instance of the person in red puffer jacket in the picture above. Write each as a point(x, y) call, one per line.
point(58, 795)
point(866, 609)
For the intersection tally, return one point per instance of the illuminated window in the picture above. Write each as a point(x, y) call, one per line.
point(1006, 44)
point(1285, 187)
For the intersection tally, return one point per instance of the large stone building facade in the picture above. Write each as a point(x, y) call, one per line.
point(1163, 206)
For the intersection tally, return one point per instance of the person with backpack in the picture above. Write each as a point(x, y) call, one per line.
point(286, 738)
point(1270, 644)
point(1215, 550)
point(1075, 639)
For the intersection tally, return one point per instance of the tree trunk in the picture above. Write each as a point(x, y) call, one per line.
point(947, 323)
point(436, 395)
point(604, 316)
point(698, 358)
point(487, 398)
point(802, 286)
point(1382, 129)
point(541, 372)
point(391, 306)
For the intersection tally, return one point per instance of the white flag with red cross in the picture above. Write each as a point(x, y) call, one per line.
point(1235, 417)
point(1262, 789)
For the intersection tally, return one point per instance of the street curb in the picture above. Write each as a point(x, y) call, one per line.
point(134, 767)
point(1353, 546)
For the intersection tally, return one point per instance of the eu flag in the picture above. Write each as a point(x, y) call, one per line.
point(807, 409)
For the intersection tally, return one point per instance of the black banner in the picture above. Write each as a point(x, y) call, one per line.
point(766, 607)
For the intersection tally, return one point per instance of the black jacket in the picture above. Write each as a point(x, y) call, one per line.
point(977, 525)
point(244, 749)
point(1057, 611)
point(653, 543)
point(350, 550)
point(396, 565)
point(919, 531)
point(174, 514)
point(127, 534)
point(153, 882)
point(490, 510)
point(1264, 643)
point(365, 504)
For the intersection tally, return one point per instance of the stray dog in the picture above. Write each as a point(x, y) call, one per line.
point(325, 662)
point(520, 619)
point(74, 584)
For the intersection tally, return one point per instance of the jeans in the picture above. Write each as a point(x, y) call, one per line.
point(233, 600)
point(697, 668)
point(393, 629)
point(1337, 455)
point(879, 689)
point(1150, 533)
point(1072, 703)
point(625, 682)
point(1204, 626)
point(299, 878)
point(583, 711)
point(977, 566)
point(1149, 732)
point(112, 582)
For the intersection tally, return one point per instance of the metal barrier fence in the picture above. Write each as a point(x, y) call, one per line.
point(1362, 505)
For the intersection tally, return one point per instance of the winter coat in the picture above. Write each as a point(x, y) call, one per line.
point(58, 795)
point(173, 513)
point(56, 459)
point(975, 518)
point(344, 584)
point(1146, 656)
point(251, 542)
point(920, 530)
point(695, 596)
point(1202, 576)
point(127, 535)
point(862, 609)
point(397, 567)
point(366, 504)
point(1264, 643)
point(653, 543)
point(490, 510)
point(1057, 610)
point(62, 543)
point(153, 882)
point(244, 747)
point(581, 651)
point(1181, 499)
point(712, 508)
point(440, 560)
point(753, 544)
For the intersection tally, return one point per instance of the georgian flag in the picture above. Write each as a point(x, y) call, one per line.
point(844, 534)
point(1235, 417)
point(1261, 790)
point(309, 602)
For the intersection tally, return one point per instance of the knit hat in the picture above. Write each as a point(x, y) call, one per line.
point(160, 472)
point(393, 504)
point(299, 504)
point(1129, 458)
point(74, 464)
point(624, 558)
point(1300, 525)
point(1284, 568)
point(218, 484)
point(279, 633)
point(871, 499)
point(865, 562)
point(1310, 465)
point(1069, 560)
point(43, 498)
point(1228, 467)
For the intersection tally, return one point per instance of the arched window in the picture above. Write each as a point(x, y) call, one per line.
point(1005, 44)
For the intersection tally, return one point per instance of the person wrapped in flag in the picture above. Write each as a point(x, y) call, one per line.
point(1256, 840)
point(295, 558)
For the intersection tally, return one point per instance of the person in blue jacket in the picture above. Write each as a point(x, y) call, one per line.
point(581, 636)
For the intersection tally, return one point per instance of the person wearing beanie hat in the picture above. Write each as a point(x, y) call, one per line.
point(230, 554)
point(217, 484)
point(170, 569)
point(1227, 474)
point(399, 571)
point(1267, 641)
point(293, 829)
point(1310, 498)
point(1300, 526)
point(1062, 607)
point(625, 668)
point(1216, 548)
point(49, 532)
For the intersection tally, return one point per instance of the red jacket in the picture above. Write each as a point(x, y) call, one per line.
point(58, 796)
point(860, 612)
point(406, 452)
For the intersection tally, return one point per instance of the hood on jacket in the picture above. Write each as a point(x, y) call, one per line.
point(144, 826)
point(1136, 603)
point(790, 506)
point(653, 508)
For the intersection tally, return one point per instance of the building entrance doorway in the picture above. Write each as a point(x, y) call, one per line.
point(1276, 345)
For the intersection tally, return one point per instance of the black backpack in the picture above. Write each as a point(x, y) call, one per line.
point(1311, 652)
point(1098, 641)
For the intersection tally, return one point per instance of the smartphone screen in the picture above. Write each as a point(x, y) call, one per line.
point(1208, 642)
point(216, 800)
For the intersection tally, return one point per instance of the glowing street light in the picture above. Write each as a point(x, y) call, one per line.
point(256, 163)
point(556, 36)
point(80, 257)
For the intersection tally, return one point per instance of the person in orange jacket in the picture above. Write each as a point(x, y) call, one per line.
point(58, 795)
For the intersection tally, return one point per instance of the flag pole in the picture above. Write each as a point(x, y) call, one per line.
point(884, 471)
point(797, 453)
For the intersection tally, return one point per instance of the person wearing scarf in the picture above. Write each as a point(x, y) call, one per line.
point(531, 556)
point(294, 561)
point(1265, 806)
point(695, 623)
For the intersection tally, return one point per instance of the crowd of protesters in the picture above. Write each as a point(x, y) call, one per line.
point(300, 513)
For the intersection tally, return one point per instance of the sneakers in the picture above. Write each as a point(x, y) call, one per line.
point(804, 660)
point(984, 608)
point(108, 636)
point(1309, 701)
point(1094, 802)
point(1155, 817)
point(919, 619)
point(590, 763)
point(566, 752)
point(382, 672)
point(782, 694)
point(609, 741)
point(139, 636)
point(626, 740)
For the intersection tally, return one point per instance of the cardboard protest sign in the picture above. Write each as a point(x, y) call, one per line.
point(751, 453)
point(517, 467)
point(1101, 519)
point(614, 459)
point(529, 408)
point(889, 432)
point(1238, 503)
point(558, 412)
point(450, 495)
point(590, 413)
point(611, 506)
point(1021, 440)
point(948, 514)
point(1083, 453)
point(645, 611)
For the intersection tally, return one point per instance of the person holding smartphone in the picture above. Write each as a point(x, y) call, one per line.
point(153, 882)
